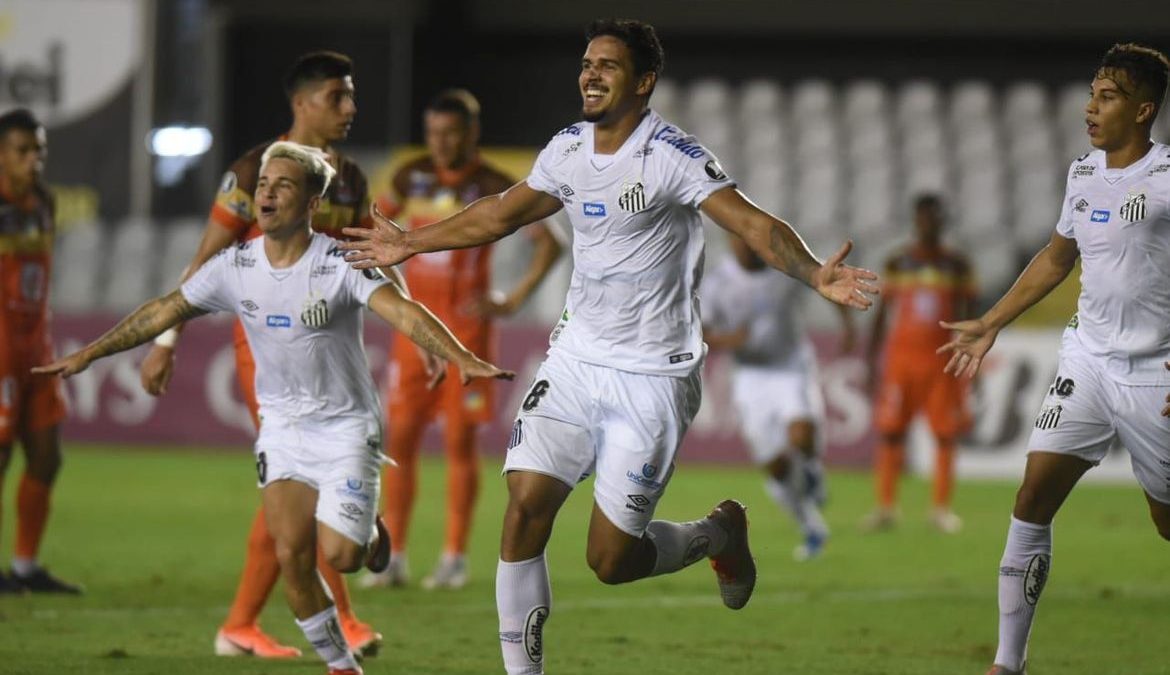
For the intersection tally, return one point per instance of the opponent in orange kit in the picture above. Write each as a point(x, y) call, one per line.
point(455, 285)
point(321, 93)
point(924, 284)
point(30, 408)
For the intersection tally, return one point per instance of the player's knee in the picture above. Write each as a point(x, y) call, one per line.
point(1032, 506)
point(345, 558)
point(293, 557)
point(779, 467)
point(802, 437)
point(607, 566)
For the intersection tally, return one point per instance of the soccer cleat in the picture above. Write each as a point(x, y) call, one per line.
point(361, 637)
point(9, 586)
point(40, 581)
point(1002, 670)
point(396, 574)
point(945, 521)
point(810, 548)
point(880, 520)
point(734, 566)
point(450, 572)
point(379, 556)
point(250, 640)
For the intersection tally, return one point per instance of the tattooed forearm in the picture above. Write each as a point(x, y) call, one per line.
point(145, 323)
point(427, 332)
point(793, 256)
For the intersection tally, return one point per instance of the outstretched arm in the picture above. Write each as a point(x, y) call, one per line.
point(426, 331)
point(143, 324)
point(974, 338)
point(781, 247)
point(484, 221)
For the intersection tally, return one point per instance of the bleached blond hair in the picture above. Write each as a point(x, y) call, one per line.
point(318, 171)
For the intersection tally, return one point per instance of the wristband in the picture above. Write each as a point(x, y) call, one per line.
point(167, 339)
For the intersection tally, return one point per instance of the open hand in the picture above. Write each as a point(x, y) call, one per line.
point(434, 366)
point(845, 284)
point(64, 366)
point(382, 245)
point(475, 367)
point(972, 340)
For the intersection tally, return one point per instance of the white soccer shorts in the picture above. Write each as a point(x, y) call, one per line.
point(578, 418)
point(768, 400)
point(1085, 410)
point(342, 462)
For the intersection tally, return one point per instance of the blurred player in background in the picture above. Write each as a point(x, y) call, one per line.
point(320, 90)
point(318, 452)
point(31, 408)
point(923, 284)
point(621, 382)
point(754, 311)
point(456, 286)
point(1113, 377)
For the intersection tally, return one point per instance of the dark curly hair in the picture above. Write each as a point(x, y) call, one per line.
point(639, 36)
point(1145, 68)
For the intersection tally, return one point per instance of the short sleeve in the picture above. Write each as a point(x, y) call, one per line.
point(207, 288)
point(361, 284)
point(700, 175)
point(540, 179)
point(233, 207)
point(1064, 226)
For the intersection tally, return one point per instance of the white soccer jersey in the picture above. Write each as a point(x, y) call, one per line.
point(767, 302)
point(637, 245)
point(1120, 219)
point(304, 327)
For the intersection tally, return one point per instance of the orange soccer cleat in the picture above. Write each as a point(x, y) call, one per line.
point(250, 640)
point(361, 637)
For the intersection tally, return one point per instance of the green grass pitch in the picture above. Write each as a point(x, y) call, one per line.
point(157, 537)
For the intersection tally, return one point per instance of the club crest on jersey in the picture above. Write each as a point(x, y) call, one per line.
point(633, 197)
point(316, 313)
point(1134, 208)
point(593, 209)
point(1099, 216)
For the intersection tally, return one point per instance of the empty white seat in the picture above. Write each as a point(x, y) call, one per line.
point(131, 264)
point(971, 101)
point(812, 99)
point(707, 99)
point(180, 240)
point(666, 100)
point(760, 98)
point(1025, 102)
point(915, 101)
point(865, 101)
point(79, 267)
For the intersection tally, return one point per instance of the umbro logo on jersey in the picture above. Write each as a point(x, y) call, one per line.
point(593, 209)
point(1099, 216)
point(633, 197)
point(278, 321)
point(315, 314)
point(1134, 208)
point(1080, 206)
point(249, 305)
point(566, 191)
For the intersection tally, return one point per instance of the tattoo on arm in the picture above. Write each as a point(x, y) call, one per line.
point(792, 254)
point(428, 333)
point(146, 322)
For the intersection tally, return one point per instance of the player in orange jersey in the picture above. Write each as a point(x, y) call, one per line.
point(30, 408)
point(925, 283)
point(321, 93)
point(455, 285)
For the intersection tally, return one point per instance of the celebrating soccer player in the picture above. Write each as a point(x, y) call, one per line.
point(320, 91)
point(456, 286)
point(621, 382)
point(1111, 379)
point(30, 408)
point(318, 451)
point(923, 284)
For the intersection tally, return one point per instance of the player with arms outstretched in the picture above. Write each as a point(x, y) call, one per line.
point(754, 312)
point(621, 382)
point(456, 286)
point(923, 284)
point(1112, 378)
point(318, 453)
point(320, 91)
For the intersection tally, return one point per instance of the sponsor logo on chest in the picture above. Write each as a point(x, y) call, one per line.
point(1099, 216)
point(593, 209)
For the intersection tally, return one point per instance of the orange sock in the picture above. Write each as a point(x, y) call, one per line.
point(400, 483)
point(261, 570)
point(888, 470)
point(32, 512)
point(944, 474)
point(337, 587)
point(462, 486)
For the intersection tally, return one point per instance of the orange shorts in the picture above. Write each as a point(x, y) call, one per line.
point(28, 402)
point(913, 383)
point(246, 372)
point(409, 401)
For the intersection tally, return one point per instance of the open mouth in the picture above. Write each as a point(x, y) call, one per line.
point(594, 94)
point(267, 209)
point(1092, 127)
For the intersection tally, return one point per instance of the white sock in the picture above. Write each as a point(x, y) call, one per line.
point(523, 601)
point(793, 496)
point(682, 544)
point(1023, 570)
point(23, 567)
point(323, 631)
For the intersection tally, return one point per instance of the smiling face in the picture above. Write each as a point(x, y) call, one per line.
point(1116, 114)
point(609, 85)
point(327, 107)
point(283, 200)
